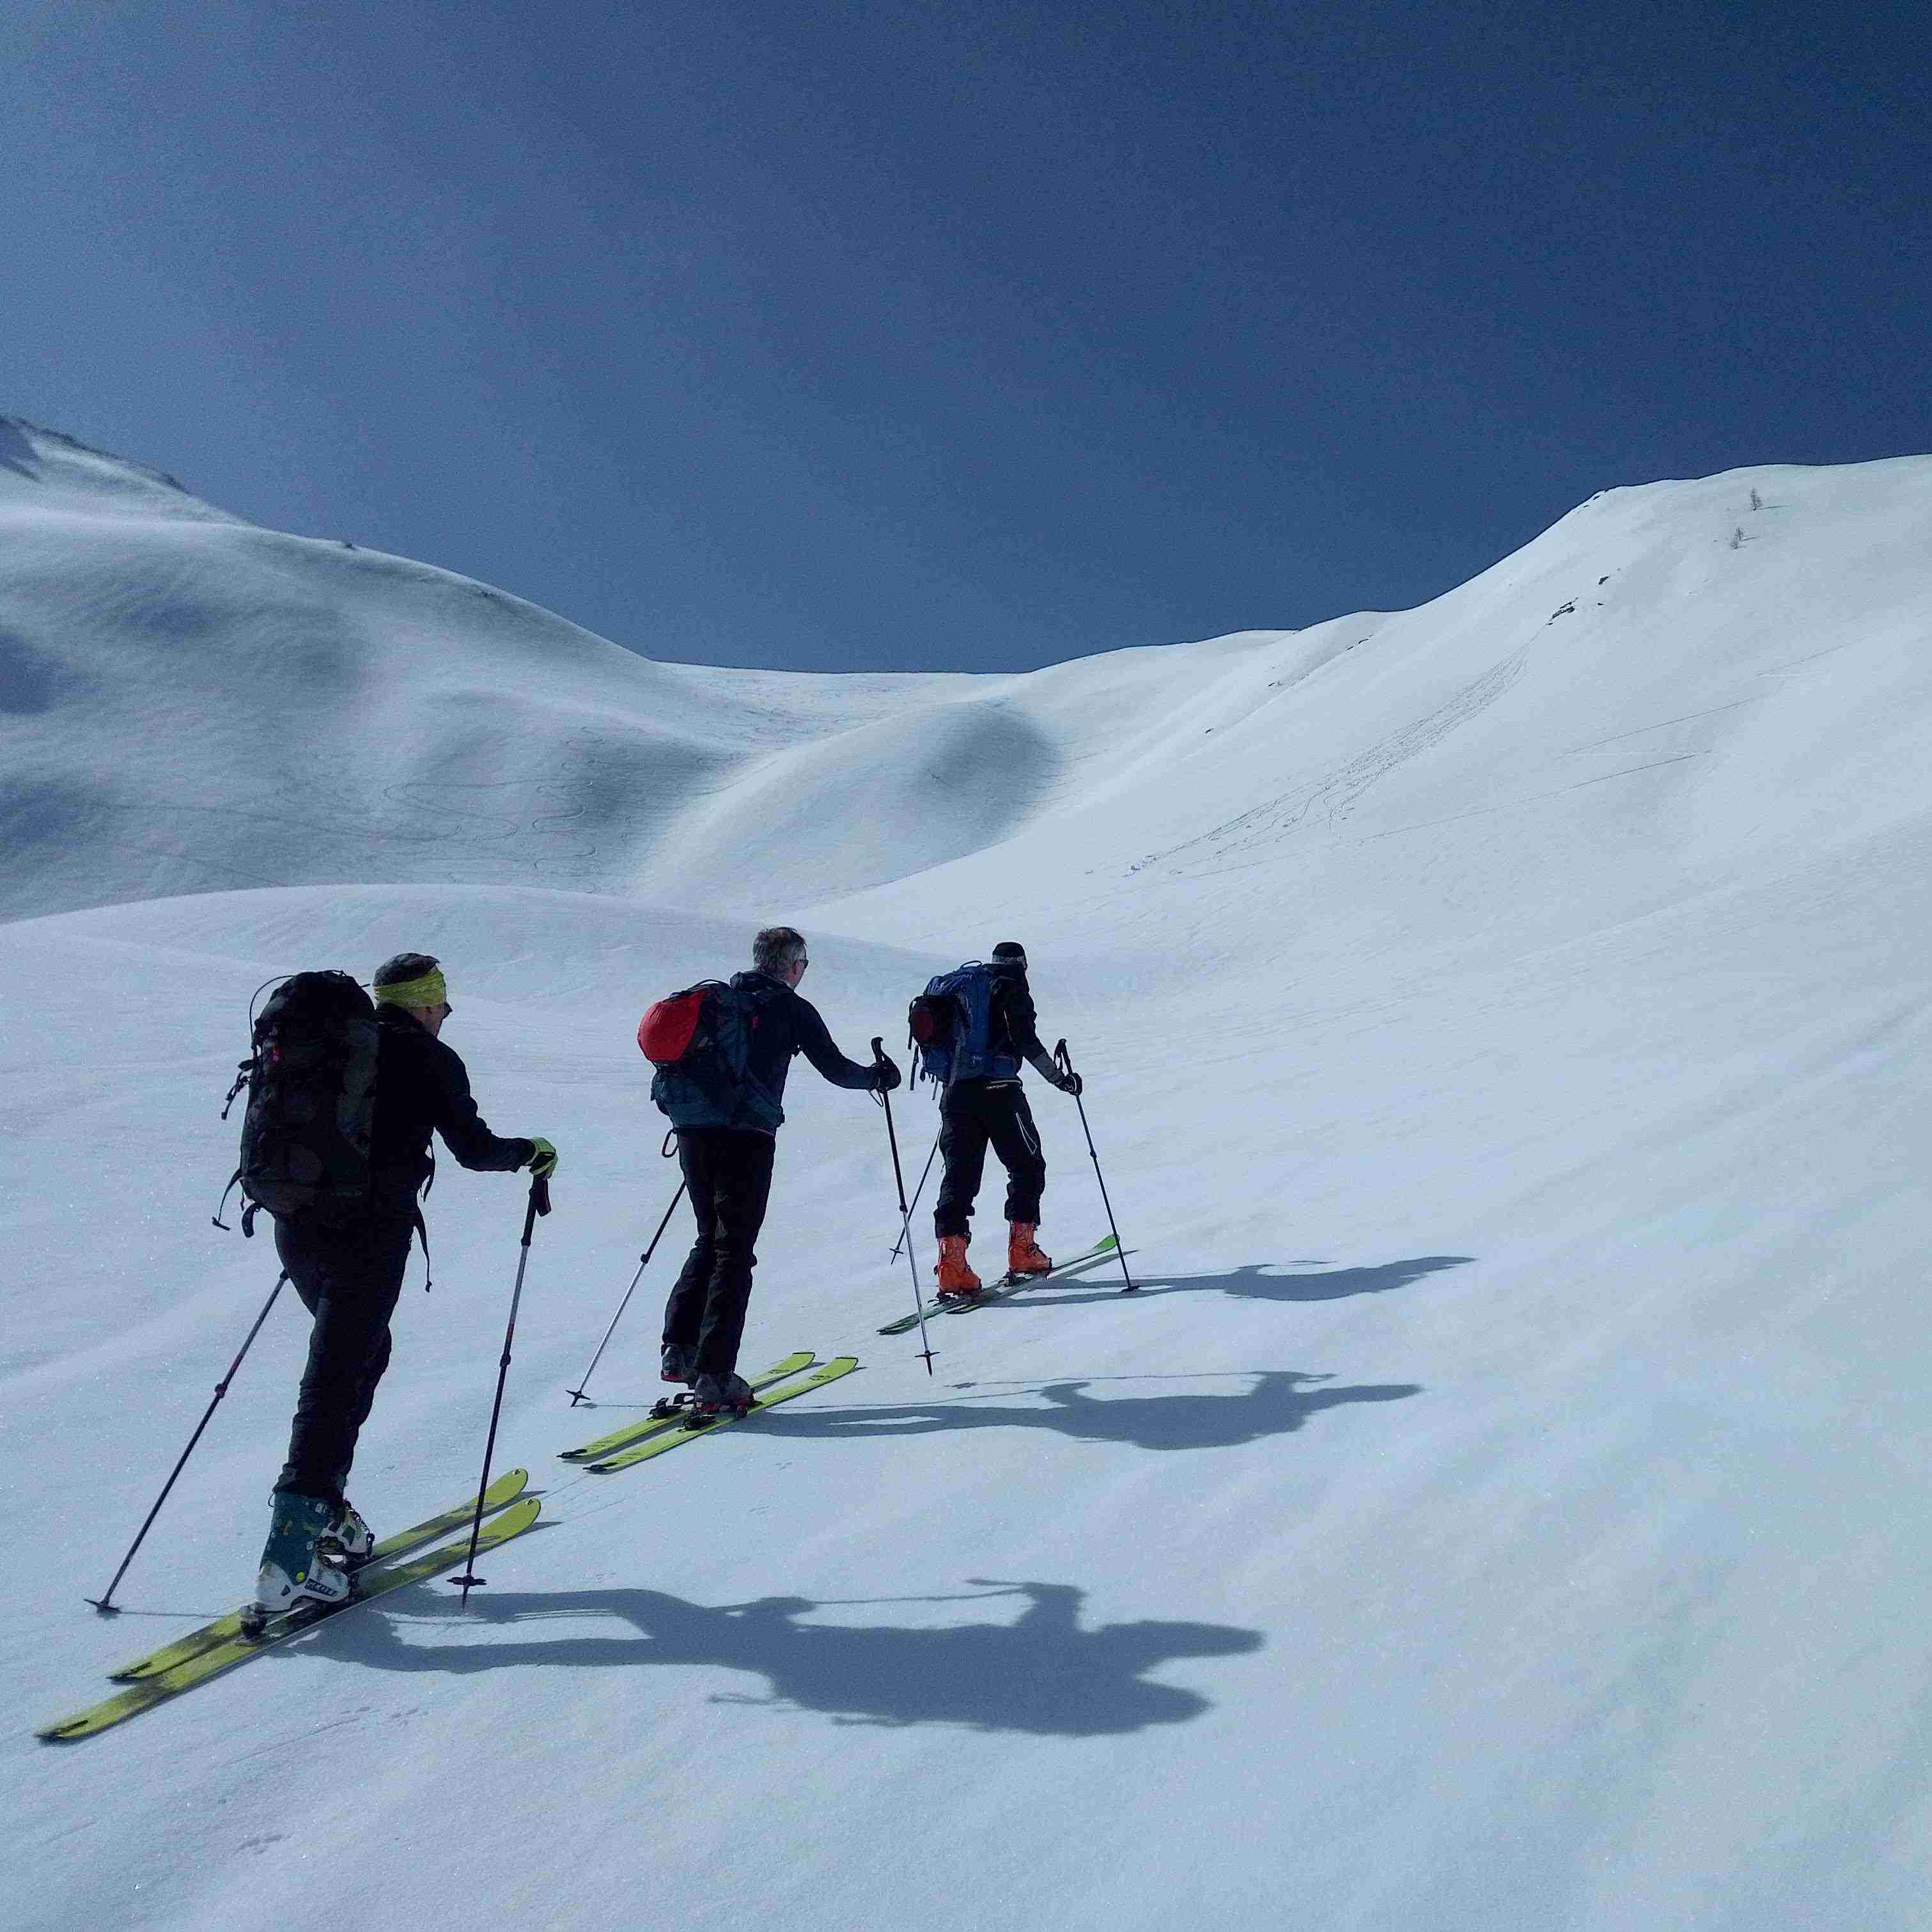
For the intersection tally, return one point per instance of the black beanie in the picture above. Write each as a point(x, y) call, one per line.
point(1011, 953)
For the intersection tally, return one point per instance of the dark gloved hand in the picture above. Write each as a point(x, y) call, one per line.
point(885, 1076)
point(543, 1158)
point(1070, 1082)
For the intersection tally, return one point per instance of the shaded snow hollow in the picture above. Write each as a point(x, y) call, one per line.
point(1505, 1023)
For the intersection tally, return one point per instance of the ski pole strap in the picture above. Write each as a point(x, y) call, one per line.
point(539, 1203)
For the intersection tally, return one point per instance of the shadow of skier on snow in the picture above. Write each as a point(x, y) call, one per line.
point(1281, 1401)
point(1042, 1673)
point(1258, 1281)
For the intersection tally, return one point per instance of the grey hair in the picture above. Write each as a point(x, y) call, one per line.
point(776, 948)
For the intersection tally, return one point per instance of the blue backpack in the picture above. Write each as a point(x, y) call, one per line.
point(699, 1041)
point(950, 1026)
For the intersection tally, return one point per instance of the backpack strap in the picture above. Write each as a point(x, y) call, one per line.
point(234, 1182)
point(245, 1068)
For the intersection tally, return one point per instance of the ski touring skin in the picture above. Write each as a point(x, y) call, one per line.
point(504, 1491)
point(665, 1416)
point(676, 1431)
point(1107, 1250)
point(371, 1582)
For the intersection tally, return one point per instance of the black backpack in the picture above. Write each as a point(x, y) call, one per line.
point(311, 1082)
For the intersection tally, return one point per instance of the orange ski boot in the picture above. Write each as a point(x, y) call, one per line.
point(957, 1281)
point(1023, 1253)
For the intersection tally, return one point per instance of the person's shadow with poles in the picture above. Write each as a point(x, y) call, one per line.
point(1258, 1281)
point(1277, 1402)
point(1042, 1673)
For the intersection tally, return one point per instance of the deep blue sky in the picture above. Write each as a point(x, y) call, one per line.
point(960, 335)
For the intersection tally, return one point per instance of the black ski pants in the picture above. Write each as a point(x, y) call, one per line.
point(348, 1279)
point(728, 1172)
point(973, 1114)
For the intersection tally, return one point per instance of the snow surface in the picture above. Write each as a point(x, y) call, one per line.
point(1505, 1025)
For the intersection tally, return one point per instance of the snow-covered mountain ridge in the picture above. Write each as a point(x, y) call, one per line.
point(192, 704)
point(1505, 1023)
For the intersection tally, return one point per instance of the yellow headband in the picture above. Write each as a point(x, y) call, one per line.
point(429, 991)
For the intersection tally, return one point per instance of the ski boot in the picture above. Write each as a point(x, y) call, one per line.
point(678, 1366)
point(1024, 1257)
point(717, 1398)
point(959, 1286)
point(294, 1572)
point(347, 1536)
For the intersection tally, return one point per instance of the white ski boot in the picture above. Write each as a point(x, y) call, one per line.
point(294, 1571)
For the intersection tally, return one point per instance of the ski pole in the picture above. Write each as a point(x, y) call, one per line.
point(576, 1394)
point(916, 1193)
point(539, 1204)
point(1119, 1246)
point(905, 1213)
point(105, 1603)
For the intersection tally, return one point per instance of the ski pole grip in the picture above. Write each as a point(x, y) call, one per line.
point(1059, 1053)
point(878, 1046)
point(540, 1194)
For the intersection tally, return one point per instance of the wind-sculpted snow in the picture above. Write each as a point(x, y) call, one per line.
point(191, 704)
point(1505, 1029)
point(41, 470)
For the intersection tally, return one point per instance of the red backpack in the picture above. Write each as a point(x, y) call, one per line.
point(665, 1033)
point(700, 1041)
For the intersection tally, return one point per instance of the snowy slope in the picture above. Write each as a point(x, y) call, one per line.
point(188, 703)
point(1505, 1023)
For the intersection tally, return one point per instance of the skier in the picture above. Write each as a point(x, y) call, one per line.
point(348, 1268)
point(982, 1101)
point(726, 1137)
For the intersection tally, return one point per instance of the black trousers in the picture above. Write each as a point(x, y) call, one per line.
point(729, 1174)
point(974, 1114)
point(348, 1279)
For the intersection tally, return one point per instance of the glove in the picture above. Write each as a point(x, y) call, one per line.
point(542, 1162)
point(1070, 1082)
point(885, 1076)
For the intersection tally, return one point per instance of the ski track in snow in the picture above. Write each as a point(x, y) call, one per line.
point(1505, 1028)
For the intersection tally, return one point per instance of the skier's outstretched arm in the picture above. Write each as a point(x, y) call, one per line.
point(1024, 1024)
point(815, 1043)
point(463, 1128)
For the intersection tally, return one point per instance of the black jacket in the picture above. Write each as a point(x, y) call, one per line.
point(422, 1087)
point(1013, 1018)
point(787, 1025)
